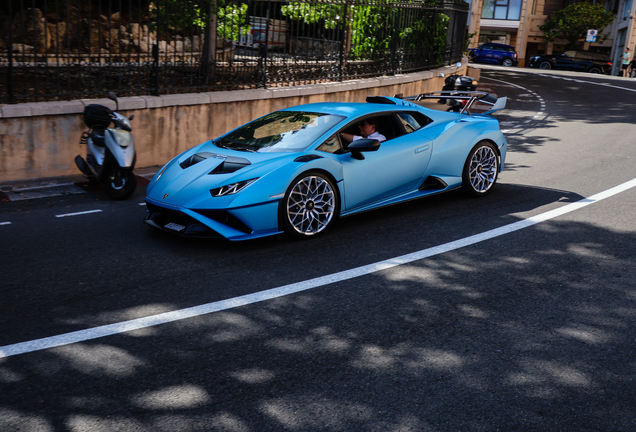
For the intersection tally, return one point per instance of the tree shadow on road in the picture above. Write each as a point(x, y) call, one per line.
point(534, 332)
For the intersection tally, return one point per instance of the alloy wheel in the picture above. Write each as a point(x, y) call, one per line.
point(481, 169)
point(310, 205)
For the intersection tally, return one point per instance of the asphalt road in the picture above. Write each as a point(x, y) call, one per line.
point(531, 329)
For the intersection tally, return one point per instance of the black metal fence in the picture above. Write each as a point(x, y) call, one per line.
point(71, 49)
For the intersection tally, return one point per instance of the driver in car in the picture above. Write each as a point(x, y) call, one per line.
point(367, 130)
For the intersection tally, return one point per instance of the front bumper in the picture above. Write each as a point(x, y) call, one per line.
point(232, 224)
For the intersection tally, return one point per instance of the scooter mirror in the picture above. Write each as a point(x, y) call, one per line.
point(131, 117)
point(111, 96)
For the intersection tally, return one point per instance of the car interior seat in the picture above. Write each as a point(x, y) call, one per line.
point(386, 126)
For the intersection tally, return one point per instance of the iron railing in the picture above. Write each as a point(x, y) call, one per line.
point(72, 49)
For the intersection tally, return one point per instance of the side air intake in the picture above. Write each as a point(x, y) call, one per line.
point(433, 183)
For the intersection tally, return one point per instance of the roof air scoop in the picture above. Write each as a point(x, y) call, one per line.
point(380, 100)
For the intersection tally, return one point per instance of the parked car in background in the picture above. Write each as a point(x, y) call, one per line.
point(574, 60)
point(494, 53)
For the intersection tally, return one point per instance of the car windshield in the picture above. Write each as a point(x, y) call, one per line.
point(280, 131)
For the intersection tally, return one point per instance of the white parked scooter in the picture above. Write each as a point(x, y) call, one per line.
point(110, 152)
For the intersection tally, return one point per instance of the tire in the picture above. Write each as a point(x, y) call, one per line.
point(595, 70)
point(311, 205)
point(545, 65)
point(507, 62)
point(481, 169)
point(121, 184)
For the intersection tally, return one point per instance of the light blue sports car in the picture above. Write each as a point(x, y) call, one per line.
point(299, 169)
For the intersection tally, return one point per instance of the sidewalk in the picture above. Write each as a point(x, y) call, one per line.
point(65, 185)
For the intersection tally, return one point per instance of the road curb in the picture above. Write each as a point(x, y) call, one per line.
point(59, 186)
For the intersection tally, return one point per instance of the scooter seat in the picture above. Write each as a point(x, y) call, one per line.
point(98, 137)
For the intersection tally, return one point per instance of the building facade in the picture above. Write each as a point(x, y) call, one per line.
point(515, 22)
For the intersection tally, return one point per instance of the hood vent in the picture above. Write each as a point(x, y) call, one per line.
point(230, 164)
point(195, 159)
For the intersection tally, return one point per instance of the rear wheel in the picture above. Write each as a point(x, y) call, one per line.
point(310, 206)
point(507, 62)
point(545, 65)
point(120, 185)
point(595, 70)
point(481, 169)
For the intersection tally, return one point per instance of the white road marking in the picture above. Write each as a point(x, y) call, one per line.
point(78, 213)
point(525, 122)
point(154, 320)
point(5, 223)
point(590, 82)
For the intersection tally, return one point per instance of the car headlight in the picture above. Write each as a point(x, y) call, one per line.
point(232, 188)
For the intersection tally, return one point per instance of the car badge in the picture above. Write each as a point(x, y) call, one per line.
point(166, 196)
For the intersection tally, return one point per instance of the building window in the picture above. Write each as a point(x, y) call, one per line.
point(627, 9)
point(501, 9)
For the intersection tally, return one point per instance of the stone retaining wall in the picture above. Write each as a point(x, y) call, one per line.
point(39, 140)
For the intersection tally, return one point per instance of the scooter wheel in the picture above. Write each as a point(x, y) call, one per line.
point(120, 185)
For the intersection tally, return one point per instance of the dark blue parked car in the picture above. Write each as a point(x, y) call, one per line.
point(494, 53)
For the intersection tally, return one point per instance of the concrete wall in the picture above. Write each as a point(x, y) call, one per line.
point(39, 140)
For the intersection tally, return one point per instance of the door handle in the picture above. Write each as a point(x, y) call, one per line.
point(421, 149)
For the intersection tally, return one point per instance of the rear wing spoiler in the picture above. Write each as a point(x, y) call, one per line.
point(469, 96)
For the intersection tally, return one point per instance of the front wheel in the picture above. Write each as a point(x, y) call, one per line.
point(121, 184)
point(310, 205)
point(481, 169)
point(545, 65)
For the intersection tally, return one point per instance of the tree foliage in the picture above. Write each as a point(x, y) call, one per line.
point(184, 14)
point(372, 28)
point(231, 20)
point(330, 14)
point(573, 22)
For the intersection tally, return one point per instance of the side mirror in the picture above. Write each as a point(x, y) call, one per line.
point(363, 145)
point(111, 96)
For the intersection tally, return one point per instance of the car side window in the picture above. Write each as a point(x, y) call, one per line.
point(385, 125)
point(409, 122)
point(331, 145)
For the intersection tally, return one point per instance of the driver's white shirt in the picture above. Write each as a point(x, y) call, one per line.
point(375, 135)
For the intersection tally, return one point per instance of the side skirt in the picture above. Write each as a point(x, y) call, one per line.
point(410, 196)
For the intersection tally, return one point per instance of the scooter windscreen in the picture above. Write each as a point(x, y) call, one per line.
point(122, 122)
